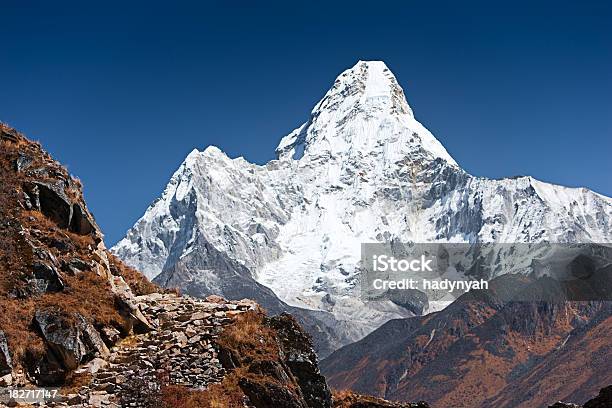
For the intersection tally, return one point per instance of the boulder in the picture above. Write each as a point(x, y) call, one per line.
point(110, 335)
point(48, 279)
point(6, 364)
point(128, 307)
point(46, 369)
point(71, 339)
point(75, 266)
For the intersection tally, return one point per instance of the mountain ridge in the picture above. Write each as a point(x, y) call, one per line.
point(360, 169)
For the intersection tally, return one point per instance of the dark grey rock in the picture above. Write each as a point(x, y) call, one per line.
point(73, 340)
point(300, 357)
point(47, 277)
point(54, 203)
point(81, 222)
point(110, 335)
point(51, 200)
point(6, 363)
point(46, 369)
point(270, 395)
point(22, 162)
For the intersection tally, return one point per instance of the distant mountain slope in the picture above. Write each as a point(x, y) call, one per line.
point(360, 169)
point(484, 352)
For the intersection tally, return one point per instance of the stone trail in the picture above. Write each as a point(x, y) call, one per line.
point(179, 351)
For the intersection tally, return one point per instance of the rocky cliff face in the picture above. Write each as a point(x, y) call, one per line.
point(361, 169)
point(63, 298)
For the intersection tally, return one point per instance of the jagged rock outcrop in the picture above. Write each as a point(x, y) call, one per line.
point(298, 353)
point(72, 339)
point(287, 375)
point(602, 400)
point(61, 296)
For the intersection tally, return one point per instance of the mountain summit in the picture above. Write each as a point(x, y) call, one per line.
point(361, 169)
point(364, 112)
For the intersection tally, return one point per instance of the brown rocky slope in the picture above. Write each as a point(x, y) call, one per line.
point(63, 298)
point(484, 352)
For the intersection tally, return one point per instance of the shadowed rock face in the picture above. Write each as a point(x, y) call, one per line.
point(71, 338)
point(48, 279)
point(81, 221)
point(603, 400)
point(51, 200)
point(54, 203)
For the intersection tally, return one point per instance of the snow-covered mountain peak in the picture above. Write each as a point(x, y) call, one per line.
point(214, 152)
point(360, 169)
point(364, 115)
point(367, 86)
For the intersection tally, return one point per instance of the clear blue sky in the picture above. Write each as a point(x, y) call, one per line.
point(121, 92)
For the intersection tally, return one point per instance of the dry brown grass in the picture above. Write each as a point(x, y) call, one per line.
point(74, 383)
point(249, 339)
point(225, 395)
point(87, 294)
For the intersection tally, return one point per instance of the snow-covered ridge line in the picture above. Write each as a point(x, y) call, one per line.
point(360, 169)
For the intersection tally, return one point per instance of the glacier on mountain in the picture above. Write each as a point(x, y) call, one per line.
point(361, 169)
